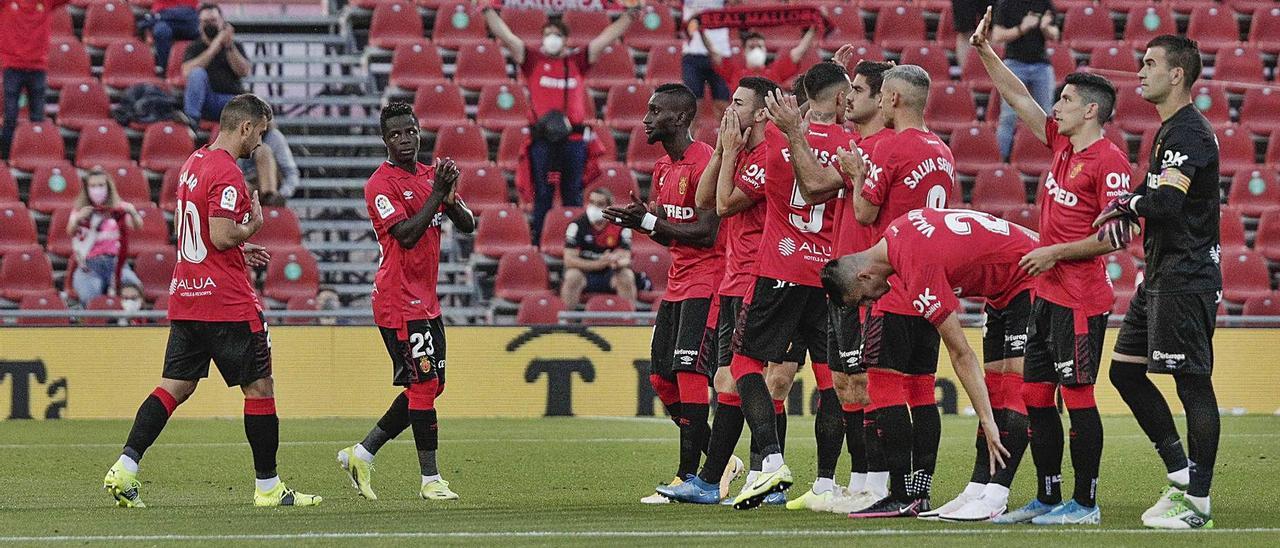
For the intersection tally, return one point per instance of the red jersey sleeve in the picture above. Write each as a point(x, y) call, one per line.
point(931, 294)
point(1112, 177)
point(228, 196)
point(876, 188)
point(749, 177)
point(386, 207)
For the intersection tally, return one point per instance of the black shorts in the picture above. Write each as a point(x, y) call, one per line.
point(1004, 336)
point(906, 344)
point(678, 332)
point(1063, 346)
point(730, 309)
point(242, 354)
point(600, 281)
point(1174, 332)
point(417, 351)
point(844, 339)
point(780, 322)
point(967, 13)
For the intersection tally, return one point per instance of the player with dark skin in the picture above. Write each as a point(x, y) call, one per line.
point(403, 141)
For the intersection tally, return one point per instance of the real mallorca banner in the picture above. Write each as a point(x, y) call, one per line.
point(103, 372)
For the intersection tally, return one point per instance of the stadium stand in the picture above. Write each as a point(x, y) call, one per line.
point(541, 309)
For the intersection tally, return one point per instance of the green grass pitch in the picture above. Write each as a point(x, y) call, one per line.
point(553, 482)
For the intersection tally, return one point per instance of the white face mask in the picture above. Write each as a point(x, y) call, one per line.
point(98, 195)
point(595, 214)
point(131, 305)
point(552, 44)
point(756, 57)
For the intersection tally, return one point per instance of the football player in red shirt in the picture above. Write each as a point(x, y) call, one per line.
point(1069, 313)
point(911, 169)
point(213, 310)
point(408, 202)
point(697, 260)
point(937, 256)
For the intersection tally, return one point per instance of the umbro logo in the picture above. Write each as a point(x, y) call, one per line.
point(408, 194)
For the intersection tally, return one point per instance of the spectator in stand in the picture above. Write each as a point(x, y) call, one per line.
point(169, 21)
point(754, 60)
point(24, 54)
point(97, 237)
point(215, 65)
point(597, 254)
point(558, 97)
point(965, 14)
point(1024, 26)
point(131, 300)
point(696, 67)
point(327, 299)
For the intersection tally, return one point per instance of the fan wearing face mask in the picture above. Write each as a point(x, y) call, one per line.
point(754, 60)
point(131, 300)
point(597, 254)
point(554, 73)
point(97, 226)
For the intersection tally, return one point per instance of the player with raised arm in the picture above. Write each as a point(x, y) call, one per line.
point(911, 169)
point(679, 377)
point(938, 256)
point(408, 202)
point(214, 312)
point(1169, 326)
point(1068, 317)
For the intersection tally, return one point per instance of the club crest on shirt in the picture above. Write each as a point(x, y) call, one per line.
point(684, 184)
point(1075, 170)
point(610, 241)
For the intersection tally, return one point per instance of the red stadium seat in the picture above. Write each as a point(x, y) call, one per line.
point(1264, 29)
point(614, 67)
point(484, 189)
point(542, 309)
point(527, 24)
point(609, 303)
point(1029, 155)
point(169, 190)
point(502, 106)
point(394, 23)
point(8, 187)
point(655, 28)
point(663, 65)
point(129, 62)
point(1231, 230)
point(1117, 137)
point(1235, 150)
point(898, 27)
point(932, 58)
point(1133, 113)
point(36, 145)
point(1121, 306)
point(847, 27)
point(1267, 241)
point(620, 182)
point(302, 303)
point(975, 148)
point(58, 242)
point(457, 26)
point(510, 147)
point(155, 270)
point(107, 23)
point(974, 74)
point(501, 230)
point(60, 25)
point(1244, 276)
point(1123, 272)
point(415, 65)
point(154, 234)
point(1117, 56)
point(1260, 112)
point(1263, 305)
point(131, 185)
point(103, 145)
point(280, 228)
point(173, 68)
point(292, 273)
point(464, 143)
point(17, 229)
point(553, 229)
point(627, 106)
point(1027, 215)
point(101, 302)
point(602, 135)
point(54, 187)
point(68, 63)
point(439, 105)
point(521, 273)
point(481, 65)
point(83, 104)
point(25, 271)
point(49, 300)
point(1147, 21)
point(1214, 27)
point(950, 107)
point(583, 26)
point(1063, 61)
point(1241, 65)
point(165, 146)
point(1087, 27)
point(640, 154)
point(997, 190)
point(654, 261)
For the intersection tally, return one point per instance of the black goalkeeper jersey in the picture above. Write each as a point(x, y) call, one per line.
point(1183, 252)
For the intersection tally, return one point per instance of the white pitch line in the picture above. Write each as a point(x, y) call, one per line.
point(628, 534)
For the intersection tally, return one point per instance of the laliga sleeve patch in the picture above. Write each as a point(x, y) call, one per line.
point(385, 209)
point(229, 196)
